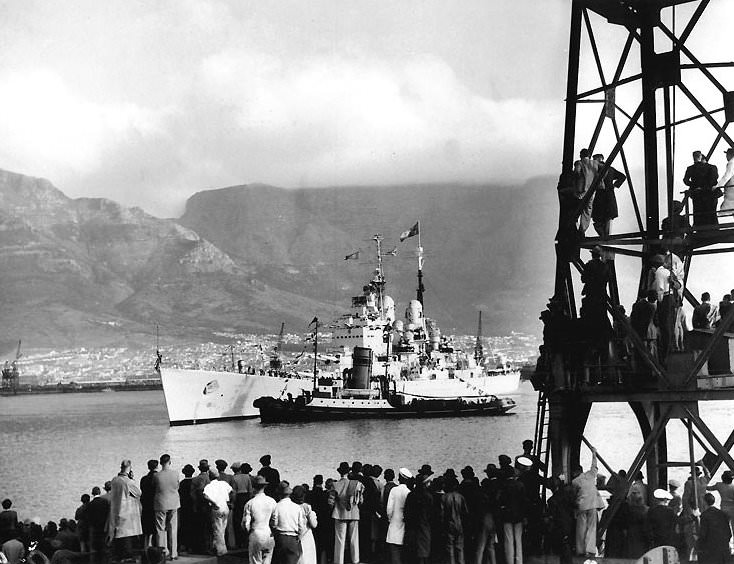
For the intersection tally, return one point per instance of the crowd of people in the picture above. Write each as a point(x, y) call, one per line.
point(368, 514)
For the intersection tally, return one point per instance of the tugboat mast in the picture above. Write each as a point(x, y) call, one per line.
point(379, 280)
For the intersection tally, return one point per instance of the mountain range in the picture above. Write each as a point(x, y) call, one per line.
point(90, 272)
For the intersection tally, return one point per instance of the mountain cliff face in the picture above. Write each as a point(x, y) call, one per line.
point(76, 272)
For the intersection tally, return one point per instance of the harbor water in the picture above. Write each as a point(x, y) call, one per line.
point(54, 448)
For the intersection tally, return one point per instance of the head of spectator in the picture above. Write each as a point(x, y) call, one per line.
point(577, 471)
point(404, 476)
point(729, 153)
point(504, 460)
point(329, 484)
point(599, 158)
point(203, 466)
point(265, 460)
point(165, 460)
point(523, 464)
point(376, 470)
point(343, 469)
point(697, 156)
point(527, 447)
point(356, 467)
point(438, 484)
point(673, 485)
point(152, 465)
point(284, 489)
point(584, 153)
point(367, 469)
point(425, 470)
point(652, 296)
point(126, 466)
point(245, 468)
point(661, 496)
point(450, 485)
point(709, 500)
point(298, 495)
point(389, 475)
point(85, 499)
point(450, 473)
point(188, 471)
point(705, 297)
point(507, 473)
point(7, 504)
point(96, 491)
point(318, 481)
point(50, 530)
point(727, 477)
point(259, 483)
point(221, 465)
point(235, 466)
point(467, 473)
point(108, 486)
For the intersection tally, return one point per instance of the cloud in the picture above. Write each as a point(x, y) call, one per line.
point(50, 127)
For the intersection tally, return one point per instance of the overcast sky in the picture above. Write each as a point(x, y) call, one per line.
point(147, 102)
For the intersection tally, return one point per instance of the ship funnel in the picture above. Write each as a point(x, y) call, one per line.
point(361, 368)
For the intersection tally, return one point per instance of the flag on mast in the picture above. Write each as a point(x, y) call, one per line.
point(314, 320)
point(412, 232)
point(352, 256)
point(392, 253)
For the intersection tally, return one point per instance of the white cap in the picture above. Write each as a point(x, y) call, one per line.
point(524, 461)
point(661, 494)
point(405, 473)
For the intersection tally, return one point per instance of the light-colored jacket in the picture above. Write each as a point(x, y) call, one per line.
point(396, 514)
point(166, 497)
point(124, 508)
point(348, 499)
point(587, 496)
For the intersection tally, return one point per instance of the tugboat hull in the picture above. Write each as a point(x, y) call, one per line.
point(282, 411)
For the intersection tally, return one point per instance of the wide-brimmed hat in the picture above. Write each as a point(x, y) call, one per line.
point(343, 467)
point(425, 470)
point(259, 481)
point(265, 459)
point(674, 483)
point(235, 465)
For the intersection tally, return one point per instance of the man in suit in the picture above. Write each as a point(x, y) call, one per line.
point(271, 475)
point(124, 520)
point(165, 505)
point(701, 178)
point(714, 535)
point(97, 512)
point(201, 518)
point(346, 515)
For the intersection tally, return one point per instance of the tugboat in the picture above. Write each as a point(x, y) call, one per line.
point(361, 394)
point(421, 373)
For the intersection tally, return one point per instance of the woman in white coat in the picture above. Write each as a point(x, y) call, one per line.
point(396, 516)
point(308, 545)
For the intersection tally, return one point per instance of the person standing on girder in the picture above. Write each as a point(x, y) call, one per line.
point(595, 322)
point(585, 170)
point(726, 183)
point(587, 503)
point(605, 201)
point(701, 178)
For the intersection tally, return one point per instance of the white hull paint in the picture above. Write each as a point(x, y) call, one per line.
point(197, 396)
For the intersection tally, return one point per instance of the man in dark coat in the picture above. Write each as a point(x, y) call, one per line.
point(701, 177)
point(147, 496)
point(201, 538)
point(714, 535)
point(270, 474)
point(418, 520)
point(97, 512)
point(605, 201)
point(661, 520)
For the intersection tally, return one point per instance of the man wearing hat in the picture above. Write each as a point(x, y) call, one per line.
point(396, 516)
point(346, 515)
point(676, 504)
point(714, 534)
point(661, 519)
point(701, 178)
point(201, 521)
point(242, 492)
point(271, 475)
point(605, 200)
point(256, 518)
point(166, 503)
point(726, 183)
point(288, 524)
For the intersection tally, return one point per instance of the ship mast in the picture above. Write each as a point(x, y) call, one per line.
point(421, 288)
point(315, 349)
point(379, 280)
point(478, 348)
